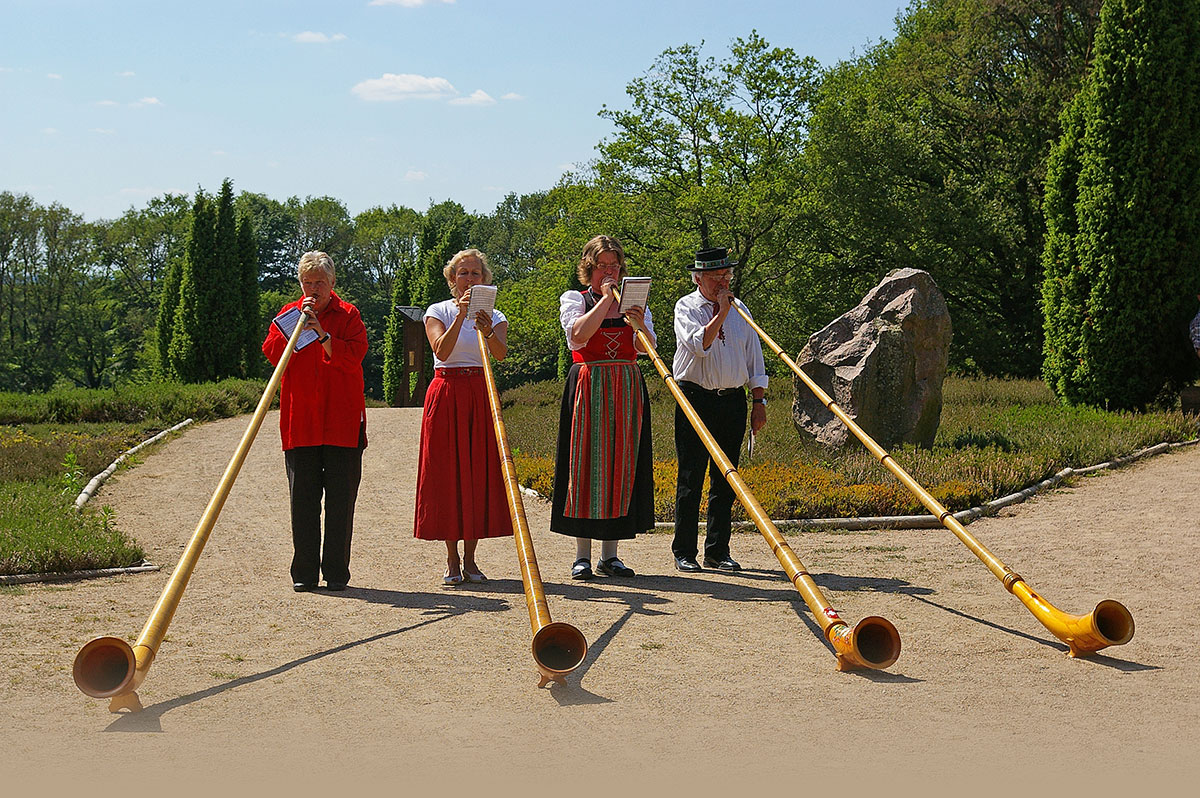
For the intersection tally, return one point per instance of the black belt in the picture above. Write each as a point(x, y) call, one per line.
point(691, 386)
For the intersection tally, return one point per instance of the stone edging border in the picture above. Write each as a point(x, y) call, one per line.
point(963, 516)
point(98, 480)
point(71, 576)
point(82, 499)
point(929, 521)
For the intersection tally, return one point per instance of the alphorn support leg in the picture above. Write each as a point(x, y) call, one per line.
point(129, 701)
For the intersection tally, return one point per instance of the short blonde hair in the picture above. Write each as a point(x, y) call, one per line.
point(452, 265)
point(314, 261)
point(591, 254)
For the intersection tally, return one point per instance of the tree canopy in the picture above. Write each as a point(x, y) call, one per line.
point(926, 150)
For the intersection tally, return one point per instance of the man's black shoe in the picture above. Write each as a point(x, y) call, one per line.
point(687, 565)
point(335, 586)
point(726, 564)
point(303, 587)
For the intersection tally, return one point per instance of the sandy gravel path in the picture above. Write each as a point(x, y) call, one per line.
point(708, 680)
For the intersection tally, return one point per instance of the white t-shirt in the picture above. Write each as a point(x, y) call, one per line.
point(466, 349)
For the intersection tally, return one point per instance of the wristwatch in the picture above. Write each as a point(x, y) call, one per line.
point(323, 338)
point(762, 401)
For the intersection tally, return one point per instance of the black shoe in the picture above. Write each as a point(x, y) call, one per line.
point(725, 564)
point(614, 567)
point(335, 586)
point(304, 587)
point(582, 569)
point(687, 564)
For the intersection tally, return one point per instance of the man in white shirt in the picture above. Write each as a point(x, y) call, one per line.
point(717, 356)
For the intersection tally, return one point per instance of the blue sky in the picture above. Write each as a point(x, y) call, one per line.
point(374, 102)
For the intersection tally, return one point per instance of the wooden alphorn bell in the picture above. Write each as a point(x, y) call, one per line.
point(108, 667)
point(873, 642)
point(1110, 624)
point(558, 648)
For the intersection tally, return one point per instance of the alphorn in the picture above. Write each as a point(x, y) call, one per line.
point(558, 648)
point(871, 643)
point(1110, 624)
point(107, 667)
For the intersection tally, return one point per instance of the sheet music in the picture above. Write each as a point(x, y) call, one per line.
point(634, 292)
point(286, 322)
point(483, 297)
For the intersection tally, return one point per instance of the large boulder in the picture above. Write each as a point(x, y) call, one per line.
point(882, 363)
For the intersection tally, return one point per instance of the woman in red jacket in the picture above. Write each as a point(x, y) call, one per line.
point(323, 423)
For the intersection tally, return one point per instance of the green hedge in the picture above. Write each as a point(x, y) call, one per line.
point(161, 404)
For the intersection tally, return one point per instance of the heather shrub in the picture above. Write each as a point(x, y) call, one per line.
point(996, 437)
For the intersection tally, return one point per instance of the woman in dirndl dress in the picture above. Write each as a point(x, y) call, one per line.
point(603, 469)
point(460, 487)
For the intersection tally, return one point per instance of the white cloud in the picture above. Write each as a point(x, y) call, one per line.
point(406, 3)
point(50, 131)
point(478, 97)
point(315, 37)
point(126, 74)
point(391, 87)
point(104, 131)
point(147, 101)
point(54, 76)
point(512, 95)
point(219, 153)
point(414, 174)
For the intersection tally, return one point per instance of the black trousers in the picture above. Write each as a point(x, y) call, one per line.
point(334, 471)
point(725, 417)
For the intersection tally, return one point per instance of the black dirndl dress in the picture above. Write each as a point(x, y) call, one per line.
point(604, 467)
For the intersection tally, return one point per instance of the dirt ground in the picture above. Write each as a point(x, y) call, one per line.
point(712, 681)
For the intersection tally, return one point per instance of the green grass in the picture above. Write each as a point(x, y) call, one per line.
point(40, 532)
point(996, 437)
point(51, 444)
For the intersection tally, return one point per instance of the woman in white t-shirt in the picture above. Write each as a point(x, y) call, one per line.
point(460, 487)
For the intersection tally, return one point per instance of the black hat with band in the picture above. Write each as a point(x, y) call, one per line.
point(708, 260)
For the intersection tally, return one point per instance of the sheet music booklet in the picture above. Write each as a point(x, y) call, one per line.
point(286, 322)
point(483, 297)
point(634, 292)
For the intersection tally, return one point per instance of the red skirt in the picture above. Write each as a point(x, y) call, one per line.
point(460, 487)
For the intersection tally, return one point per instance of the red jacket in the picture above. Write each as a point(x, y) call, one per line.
point(321, 397)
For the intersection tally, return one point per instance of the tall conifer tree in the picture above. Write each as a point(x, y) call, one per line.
point(1122, 255)
point(221, 296)
point(187, 362)
point(168, 302)
point(251, 334)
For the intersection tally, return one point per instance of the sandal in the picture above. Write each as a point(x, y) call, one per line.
point(582, 569)
point(474, 578)
point(456, 579)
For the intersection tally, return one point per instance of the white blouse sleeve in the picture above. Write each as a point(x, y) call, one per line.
point(570, 308)
point(648, 321)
